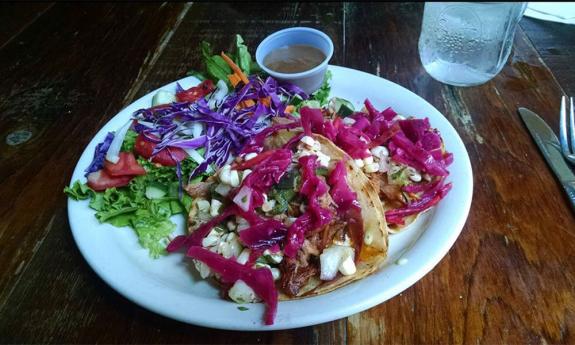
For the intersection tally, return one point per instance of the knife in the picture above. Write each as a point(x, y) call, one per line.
point(551, 150)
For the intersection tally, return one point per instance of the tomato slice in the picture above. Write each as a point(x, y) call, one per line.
point(167, 157)
point(194, 93)
point(100, 180)
point(127, 165)
point(252, 162)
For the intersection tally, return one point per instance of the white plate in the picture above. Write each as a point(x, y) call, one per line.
point(167, 287)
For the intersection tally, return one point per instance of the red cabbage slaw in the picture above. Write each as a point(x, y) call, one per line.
point(269, 233)
point(314, 216)
point(411, 142)
point(226, 128)
point(261, 234)
point(230, 271)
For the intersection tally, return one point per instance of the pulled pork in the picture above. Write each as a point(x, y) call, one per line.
point(200, 189)
point(294, 276)
point(296, 272)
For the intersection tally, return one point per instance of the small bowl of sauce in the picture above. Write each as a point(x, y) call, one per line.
point(297, 55)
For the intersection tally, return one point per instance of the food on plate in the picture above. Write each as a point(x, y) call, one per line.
point(292, 216)
point(286, 195)
point(405, 158)
point(138, 172)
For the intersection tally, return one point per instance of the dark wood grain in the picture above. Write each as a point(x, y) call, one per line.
point(555, 43)
point(62, 79)
point(77, 301)
point(15, 18)
point(508, 278)
point(512, 245)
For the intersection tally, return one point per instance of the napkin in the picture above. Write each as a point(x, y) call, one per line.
point(562, 12)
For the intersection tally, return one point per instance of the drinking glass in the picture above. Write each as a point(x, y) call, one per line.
point(467, 43)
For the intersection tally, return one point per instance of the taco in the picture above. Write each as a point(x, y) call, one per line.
point(404, 158)
point(297, 219)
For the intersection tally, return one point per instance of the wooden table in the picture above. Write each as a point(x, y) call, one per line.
point(66, 69)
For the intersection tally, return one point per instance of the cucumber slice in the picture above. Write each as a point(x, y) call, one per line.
point(163, 97)
point(155, 191)
point(311, 104)
point(341, 106)
point(173, 189)
point(296, 100)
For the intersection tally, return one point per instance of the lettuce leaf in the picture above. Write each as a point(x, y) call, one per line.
point(243, 57)
point(322, 94)
point(201, 76)
point(129, 206)
point(153, 227)
point(129, 141)
point(79, 191)
point(216, 67)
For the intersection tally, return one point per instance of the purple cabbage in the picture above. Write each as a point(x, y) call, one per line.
point(419, 155)
point(230, 271)
point(414, 129)
point(100, 154)
point(263, 234)
point(228, 128)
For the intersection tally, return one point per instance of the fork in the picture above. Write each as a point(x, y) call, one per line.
point(568, 153)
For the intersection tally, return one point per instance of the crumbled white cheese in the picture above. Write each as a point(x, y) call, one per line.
point(250, 155)
point(347, 266)
point(225, 174)
point(348, 121)
point(380, 151)
point(323, 159)
point(203, 205)
point(234, 178)
point(230, 246)
point(276, 257)
point(242, 293)
point(244, 256)
point(308, 141)
point(215, 207)
point(245, 174)
point(413, 174)
point(371, 168)
point(223, 189)
point(336, 258)
point(275, 273)
point(368, 160)
point(202, 268)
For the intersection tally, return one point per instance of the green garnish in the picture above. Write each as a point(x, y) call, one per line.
point(145, 204)
point(129, 141)
point(217, 68)
point(321, 171)
point(79, 191)
point(322, 93)
point(282, 198)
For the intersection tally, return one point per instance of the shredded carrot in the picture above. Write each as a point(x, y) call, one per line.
point(235, 68)
point(247, 103)
point(234, 79)
point(289, 109)
point(265, 101)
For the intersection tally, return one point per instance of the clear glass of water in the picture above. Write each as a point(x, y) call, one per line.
point(467, 43)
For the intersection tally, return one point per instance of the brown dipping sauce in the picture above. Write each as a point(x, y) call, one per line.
point(294, 59)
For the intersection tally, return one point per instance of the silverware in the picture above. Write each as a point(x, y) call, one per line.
point(551, 150)
point(569, 154)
